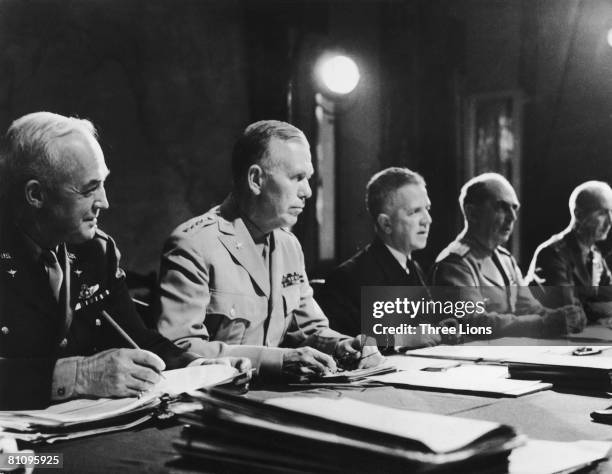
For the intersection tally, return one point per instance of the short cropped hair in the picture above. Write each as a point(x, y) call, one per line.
point(252, 146)
point(583, 197)
point(476, 192)
point(28, 152)
point(385, 182)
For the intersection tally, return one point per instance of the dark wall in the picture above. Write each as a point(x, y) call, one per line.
point(171, 83)
point(166, 85)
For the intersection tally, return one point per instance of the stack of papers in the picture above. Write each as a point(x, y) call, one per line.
point(85, 417)
point(552, 457)
point(314, 434)
point(554, 364)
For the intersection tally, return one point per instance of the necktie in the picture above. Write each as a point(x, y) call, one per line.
point(54, 271)
point(408, 267)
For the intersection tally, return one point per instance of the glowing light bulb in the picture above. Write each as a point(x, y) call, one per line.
point(339, 74)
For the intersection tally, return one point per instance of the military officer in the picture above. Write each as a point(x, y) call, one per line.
point(486, 272)
point(569, 268)
point(233, 280)
point(58, 271)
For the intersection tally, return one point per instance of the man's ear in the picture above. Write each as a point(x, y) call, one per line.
point(255, 177)
point(471, 212)
point(579, 215)
point(384, 223)
point(34, 193)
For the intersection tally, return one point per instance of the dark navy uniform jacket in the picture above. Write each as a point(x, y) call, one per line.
point(33, 328)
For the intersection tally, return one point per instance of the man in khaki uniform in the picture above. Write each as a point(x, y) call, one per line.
point(485, 271)
point(233, 280)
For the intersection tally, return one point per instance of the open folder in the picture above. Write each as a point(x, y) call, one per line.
point(84, 416)
point(315, 434)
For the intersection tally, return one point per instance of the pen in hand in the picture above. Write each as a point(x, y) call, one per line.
point(125, 336)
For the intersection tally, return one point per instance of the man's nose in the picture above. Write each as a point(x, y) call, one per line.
point(512, 214)
point(305, 191)
point(428, 220)
point(101, 201)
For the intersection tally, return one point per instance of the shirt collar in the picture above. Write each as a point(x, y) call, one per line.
point(397, 255)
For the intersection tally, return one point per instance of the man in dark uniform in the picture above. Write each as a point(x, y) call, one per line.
point(397, 200)
point(486, 272)
point(569, 268)
point(233, 281)
point(58, 272)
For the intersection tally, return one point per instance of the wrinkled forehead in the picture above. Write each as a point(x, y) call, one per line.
point(497, 191)
point(407, 196)
point(288, 154)
point(80, 153)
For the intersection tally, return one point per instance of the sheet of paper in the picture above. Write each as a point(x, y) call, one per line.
point(534, 354)
point(546, 457)
point(475, 379)
point(188, 379)
point(440, 433)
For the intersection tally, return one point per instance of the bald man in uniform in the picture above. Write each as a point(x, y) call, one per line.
point(486, 272)
point(569, 268)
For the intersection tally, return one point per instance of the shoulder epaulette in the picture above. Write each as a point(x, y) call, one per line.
point(459, 248)
point(199, 222)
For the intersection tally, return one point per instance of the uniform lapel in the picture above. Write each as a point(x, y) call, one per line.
point(236, 238)
point(393, 272)
point(25, 276)
point(65, 294)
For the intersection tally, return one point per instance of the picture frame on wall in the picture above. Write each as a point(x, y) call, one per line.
point(493, 142)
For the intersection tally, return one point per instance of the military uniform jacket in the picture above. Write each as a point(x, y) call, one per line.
point(34, 332)
point(374, 265)
point(559, 269)
point(510, 308)
point(217, 298)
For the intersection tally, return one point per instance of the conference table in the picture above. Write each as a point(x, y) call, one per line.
point(559, 415)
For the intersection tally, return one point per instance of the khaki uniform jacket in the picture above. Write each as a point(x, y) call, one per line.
point(510, 308)
point(217, 299)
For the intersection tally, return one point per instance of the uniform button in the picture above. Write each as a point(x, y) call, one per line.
point(5, 330)
point(232, 312)
point(64, 343)
point(197, 326)
point(61, 391)
point(98, 322)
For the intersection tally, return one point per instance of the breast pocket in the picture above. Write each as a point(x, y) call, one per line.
point(233, 318)
point(291, 299)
